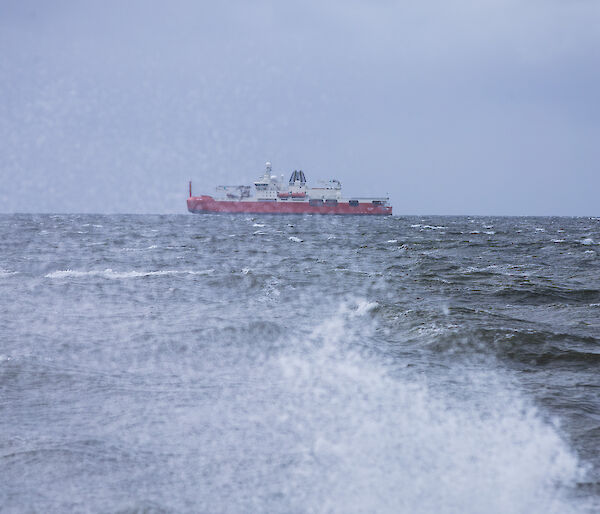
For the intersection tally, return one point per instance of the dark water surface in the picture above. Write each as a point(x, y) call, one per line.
point(224, 363)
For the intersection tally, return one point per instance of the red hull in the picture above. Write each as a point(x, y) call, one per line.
point(203, 204)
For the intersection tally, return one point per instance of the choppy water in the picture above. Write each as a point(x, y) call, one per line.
point(299, 364)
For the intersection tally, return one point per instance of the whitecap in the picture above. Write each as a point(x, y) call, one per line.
point(364, 306)
point(587, 241)
point(558, 240)
point(295, 239)
point(110, 274)
point(430, 227)
point(376, 438)
point(392, 241)
point(258, 225)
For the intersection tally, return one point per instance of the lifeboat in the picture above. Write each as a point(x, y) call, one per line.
point(283, 195)
point(298, 195)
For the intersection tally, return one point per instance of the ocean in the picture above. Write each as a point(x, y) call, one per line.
point(237, 363)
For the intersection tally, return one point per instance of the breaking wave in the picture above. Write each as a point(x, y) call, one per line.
point(430, 227)
point(360, 434)
point(110, 274)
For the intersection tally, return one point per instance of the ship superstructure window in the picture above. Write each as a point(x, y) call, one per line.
point(315, 202)
point(378, 202)
point(331, 201)
point(353, 203)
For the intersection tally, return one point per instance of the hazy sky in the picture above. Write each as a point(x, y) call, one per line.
point(451, 107)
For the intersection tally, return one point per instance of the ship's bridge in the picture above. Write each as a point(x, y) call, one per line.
point(267, 186)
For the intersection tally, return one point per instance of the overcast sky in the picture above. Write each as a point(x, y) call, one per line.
point(450, 107)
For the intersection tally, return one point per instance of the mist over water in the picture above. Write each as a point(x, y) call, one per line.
point(299, 364)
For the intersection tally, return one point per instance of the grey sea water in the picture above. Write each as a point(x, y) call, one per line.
point(224, 363)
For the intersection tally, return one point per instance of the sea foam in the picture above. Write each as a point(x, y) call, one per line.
point(369, 439)
point(110, 274)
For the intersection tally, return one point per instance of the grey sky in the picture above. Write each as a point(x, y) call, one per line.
point(451, 107)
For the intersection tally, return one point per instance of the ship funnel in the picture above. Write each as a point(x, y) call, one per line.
point(297, 175)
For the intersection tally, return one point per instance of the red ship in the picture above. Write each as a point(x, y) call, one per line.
point(273, 196)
